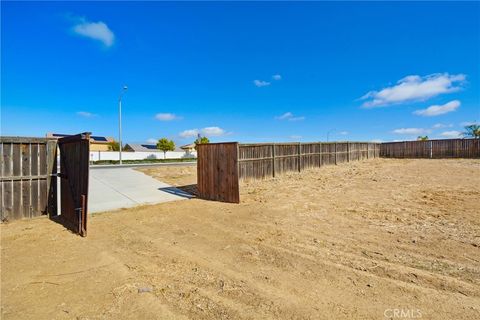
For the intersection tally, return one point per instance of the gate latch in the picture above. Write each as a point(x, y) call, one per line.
point(58, 175)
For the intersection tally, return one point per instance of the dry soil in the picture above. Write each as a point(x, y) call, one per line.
point(368, 240)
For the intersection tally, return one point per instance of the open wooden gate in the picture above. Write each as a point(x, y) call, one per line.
point(74, 169)
point(217, 171)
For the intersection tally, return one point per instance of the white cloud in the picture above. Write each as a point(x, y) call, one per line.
point(86, 114)
point(468, 123)
point(207, 131)
point(277, 77)
point(437, 110)
point(95, 30)
point(152, 141)
point(261, 83)
point(376, 140)
point(411, 131)
point(451, 134)
point(189, 133)
point(414, 88)
point(212, 132)
point(285, 116)
point(441, 125)
point(166, 117)
point(290, 117)
point(343, 133)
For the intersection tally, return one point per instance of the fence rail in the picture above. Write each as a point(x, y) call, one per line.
point(259, 161)
point(432, 149)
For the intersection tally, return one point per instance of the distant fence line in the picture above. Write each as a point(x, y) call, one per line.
point(432, 149)
point(260, 161)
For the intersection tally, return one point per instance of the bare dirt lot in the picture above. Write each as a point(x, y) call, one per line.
point(364, 240)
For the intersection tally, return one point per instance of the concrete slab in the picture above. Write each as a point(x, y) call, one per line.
point(116, 188)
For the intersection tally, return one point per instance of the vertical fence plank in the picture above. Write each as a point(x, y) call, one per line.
point(299, 157)
point(51, 158)
point(273, 160)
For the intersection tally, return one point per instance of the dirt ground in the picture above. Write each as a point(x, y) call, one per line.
point(379, 239)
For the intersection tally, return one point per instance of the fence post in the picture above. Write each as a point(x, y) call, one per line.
point(348, 151)
point(431, 149)
point(335, 153)
point(299, 156)
point(238, 162)
point(273, 159)
point(367, 150)
point(320, 154)
point(52, 206)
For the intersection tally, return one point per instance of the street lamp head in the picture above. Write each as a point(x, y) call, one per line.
point(125, 88)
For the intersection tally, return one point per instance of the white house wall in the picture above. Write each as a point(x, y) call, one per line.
point(114, 155)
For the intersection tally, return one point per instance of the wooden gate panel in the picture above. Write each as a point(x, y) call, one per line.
point(217, 172)
point(25, 178)
point(74, 172)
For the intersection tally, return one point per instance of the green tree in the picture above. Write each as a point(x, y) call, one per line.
point(472, 131)
point(422, 138)
point(201, 140)
point(114, 146)
point(165, 145)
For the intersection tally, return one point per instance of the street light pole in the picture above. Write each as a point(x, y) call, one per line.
point(120, 122)
point(328, 133)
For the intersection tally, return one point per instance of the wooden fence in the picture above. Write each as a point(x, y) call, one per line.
point(432, 149)
point(259, 161)
point(26, 187)
point(220, 166)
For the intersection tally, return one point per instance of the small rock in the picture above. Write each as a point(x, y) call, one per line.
point(144, 289)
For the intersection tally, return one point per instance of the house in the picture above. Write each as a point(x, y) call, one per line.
point(141, 147)
point(145, 148)
point(188, 148)
point(97, 143)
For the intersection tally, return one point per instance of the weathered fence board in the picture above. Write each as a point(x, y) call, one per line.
point(217, 172)
point(25, 178)
point(432, 149)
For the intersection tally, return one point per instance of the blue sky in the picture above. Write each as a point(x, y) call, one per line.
point(247, 72)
